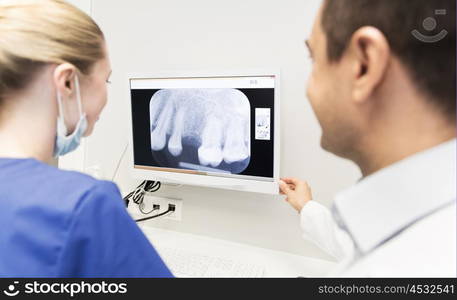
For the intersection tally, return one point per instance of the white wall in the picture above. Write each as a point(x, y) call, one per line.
point(84, 5)
point(146, 35)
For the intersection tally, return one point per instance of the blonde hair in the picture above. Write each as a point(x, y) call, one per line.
point(34, 33)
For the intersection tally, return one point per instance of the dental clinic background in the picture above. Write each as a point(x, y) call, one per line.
point(244, 35)
point(371, 216)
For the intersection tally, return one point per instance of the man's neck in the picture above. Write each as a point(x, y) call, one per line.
point(392, 150)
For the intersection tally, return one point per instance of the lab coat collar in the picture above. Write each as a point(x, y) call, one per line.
point(384, 203)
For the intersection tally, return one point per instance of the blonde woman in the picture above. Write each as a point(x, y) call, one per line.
point(54, 68)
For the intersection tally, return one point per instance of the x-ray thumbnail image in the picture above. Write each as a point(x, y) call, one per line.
point(201, 129)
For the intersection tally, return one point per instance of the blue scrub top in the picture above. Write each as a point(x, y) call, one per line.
point(56, 223)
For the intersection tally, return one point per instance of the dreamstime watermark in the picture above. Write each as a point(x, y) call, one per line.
point(429, 24)
point(70, 289)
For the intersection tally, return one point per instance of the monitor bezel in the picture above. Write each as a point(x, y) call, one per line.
point(264, 186)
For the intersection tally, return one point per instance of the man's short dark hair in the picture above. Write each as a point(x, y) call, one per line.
point(432, 65)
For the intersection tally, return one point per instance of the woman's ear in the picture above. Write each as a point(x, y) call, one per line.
point(370, 53)
point(63, 77)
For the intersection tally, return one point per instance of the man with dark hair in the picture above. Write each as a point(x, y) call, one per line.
point(383, 87)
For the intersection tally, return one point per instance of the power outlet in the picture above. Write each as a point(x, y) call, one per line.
point(164, 203)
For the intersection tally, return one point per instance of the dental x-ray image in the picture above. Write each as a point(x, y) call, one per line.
point(204, 129)
point(221, 131)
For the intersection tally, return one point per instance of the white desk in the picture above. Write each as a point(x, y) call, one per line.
point(276, 263)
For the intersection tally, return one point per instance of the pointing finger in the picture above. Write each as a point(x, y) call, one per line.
point(284, 188)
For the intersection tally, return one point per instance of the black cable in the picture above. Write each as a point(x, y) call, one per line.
point(155, 216)
point(130, 195)
point(148, 212)
point(137, 195)
point(150, 187)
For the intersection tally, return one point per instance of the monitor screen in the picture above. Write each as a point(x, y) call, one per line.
point(213, 126)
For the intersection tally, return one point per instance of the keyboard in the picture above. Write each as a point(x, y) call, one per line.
point(184, 263)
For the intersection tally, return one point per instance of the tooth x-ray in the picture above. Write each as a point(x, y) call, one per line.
point(204, 129)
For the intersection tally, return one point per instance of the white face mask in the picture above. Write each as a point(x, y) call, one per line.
point(67, 143)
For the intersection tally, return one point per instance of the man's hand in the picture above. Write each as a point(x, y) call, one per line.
point(297, 191)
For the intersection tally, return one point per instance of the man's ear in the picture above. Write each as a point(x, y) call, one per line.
point(370, 54)
point(63, 77)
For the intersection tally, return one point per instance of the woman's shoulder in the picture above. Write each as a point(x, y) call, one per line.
point(38, 184)
point(78, 186)
point(40, 205)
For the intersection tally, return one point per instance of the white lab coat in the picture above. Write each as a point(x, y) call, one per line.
point(398, 222)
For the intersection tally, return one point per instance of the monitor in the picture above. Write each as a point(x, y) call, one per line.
point(212, 129)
